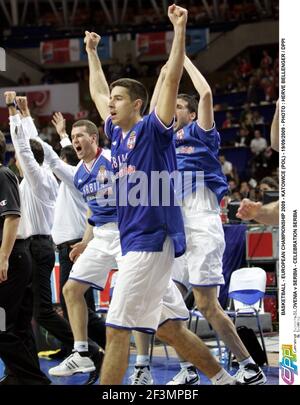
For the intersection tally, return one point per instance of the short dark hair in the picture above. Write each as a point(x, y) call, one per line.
point(69, 153)
point(37, 150)
point(136, 90)
point(192, 102)
point(91, 128)
point(269, 181)
point(2, 147)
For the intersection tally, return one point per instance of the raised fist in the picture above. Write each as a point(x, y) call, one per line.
point(9, 96)
point(177, 15)
point(22, 104)
point(91, 40)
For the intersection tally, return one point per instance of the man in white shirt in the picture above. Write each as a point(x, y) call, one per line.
point(38, 191)
point(258, 144)
point(17, 345)
point(69, 224)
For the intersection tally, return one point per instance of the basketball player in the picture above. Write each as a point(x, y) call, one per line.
point(151, 235)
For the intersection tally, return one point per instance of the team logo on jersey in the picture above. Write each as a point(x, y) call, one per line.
point(102, 174)
point(131, 140)
point(180, 134)
point(3, 203)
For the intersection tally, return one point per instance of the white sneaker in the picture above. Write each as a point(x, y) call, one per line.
point(73, 364)
point(186, 376)
point(141, 376)
point(251, 374)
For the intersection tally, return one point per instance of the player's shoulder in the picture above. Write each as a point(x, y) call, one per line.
point(106, 154)
point(78, 168)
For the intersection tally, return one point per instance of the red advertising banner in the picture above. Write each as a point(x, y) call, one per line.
point(60, 51)
point(153, 43)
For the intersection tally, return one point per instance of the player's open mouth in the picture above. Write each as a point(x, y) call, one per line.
point(78, 148)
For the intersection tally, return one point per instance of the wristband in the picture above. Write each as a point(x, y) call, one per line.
point(11, 105)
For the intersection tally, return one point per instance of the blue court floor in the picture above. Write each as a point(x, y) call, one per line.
point(162, 371)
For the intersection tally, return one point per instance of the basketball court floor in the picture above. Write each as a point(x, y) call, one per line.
point(163, 368)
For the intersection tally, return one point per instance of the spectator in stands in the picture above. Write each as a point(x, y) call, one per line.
point(266, 61)
point(264, 163)
point(232, 185)
point(245, 189)
point(246, 115)
point(243, 137)
point(258, 144)
point(254, 93)
point(245, 68)
point(268, 184)
point(268, 86)
point(265, 184)
point(226, 166)
point(230, 121)
point(24, 80)
point(231, 85)
point(257, 118)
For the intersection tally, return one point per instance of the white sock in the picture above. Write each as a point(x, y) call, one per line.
point(185, 364)
point(81, 346)
point(222, 378)
point(142, 360)
point(246, 361)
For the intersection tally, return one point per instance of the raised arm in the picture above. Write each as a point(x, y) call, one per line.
point(205, 107)
point(166, 103)
point(29, 165)
point(157, 88)
point(275, 129)
point(98, 85)
point(61, 169)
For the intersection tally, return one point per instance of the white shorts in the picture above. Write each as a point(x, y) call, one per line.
point(102, 254)
point(205, 242)
point(144, 295)
point(180, 272)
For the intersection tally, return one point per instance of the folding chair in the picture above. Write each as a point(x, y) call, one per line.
point(246, 292)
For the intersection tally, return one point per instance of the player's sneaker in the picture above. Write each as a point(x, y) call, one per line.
point(186, 376)
point(251, 374)
point(97, 357)
point(73, 364)
point(141, 376)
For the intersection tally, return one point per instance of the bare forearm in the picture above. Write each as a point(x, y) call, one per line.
point(199, 81)
point(88, 234)
point(268, 214)
point(97, 81)
point(176, 58)
point(156, 92)
point(275, 130)
point(166, 103)
point(205, 107)
point(10, 229)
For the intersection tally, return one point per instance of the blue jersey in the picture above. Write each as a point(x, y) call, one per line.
point(146, 148)
point(96, 187)
point(197, 150)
